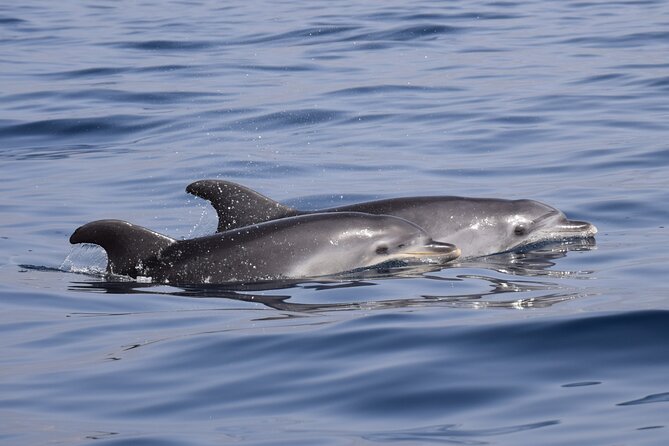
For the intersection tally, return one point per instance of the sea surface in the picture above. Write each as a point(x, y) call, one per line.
point(108, 109)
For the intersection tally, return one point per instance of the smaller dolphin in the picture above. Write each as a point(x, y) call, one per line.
point(306, 246)
point(478, 226)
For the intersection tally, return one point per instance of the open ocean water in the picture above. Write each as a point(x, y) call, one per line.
point(108, 109)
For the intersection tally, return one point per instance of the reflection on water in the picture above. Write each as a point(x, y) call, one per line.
point(536, 260)
point(512, 290)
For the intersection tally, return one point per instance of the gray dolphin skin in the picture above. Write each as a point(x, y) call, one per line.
point(306, 246)
point(478, 226)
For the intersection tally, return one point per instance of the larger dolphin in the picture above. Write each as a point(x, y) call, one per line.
point(299, 247)
point(478, 226)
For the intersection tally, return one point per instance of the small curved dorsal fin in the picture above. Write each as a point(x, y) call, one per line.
point(238, 206)
point(129, 247)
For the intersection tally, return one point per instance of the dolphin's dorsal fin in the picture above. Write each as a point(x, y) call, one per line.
point(238, 206)
point(129, 247)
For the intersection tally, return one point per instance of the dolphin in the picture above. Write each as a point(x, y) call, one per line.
point(478, 226)
point(305, 246)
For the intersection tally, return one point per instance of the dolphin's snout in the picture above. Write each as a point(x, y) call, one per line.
point(444, 251)
point(581, 227)
point(442, 247)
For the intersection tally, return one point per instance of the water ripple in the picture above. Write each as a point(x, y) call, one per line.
point(453, 434)
point(166, 45)
point(288, 119)
point(632, 40)
point(656, 398)
point(11, 21)
point(386, 89)
point(306, 36)
point(65, 128)
point(407, 33)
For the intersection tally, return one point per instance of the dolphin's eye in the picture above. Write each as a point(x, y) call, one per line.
point(520, 230)
point(382, 250)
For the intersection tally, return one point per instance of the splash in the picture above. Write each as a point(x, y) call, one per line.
point(85, 259)
point(205, 225)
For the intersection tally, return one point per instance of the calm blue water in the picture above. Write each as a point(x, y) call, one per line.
point(109, 109)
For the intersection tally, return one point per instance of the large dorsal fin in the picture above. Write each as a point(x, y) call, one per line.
point(129, 247)
point(238, 206)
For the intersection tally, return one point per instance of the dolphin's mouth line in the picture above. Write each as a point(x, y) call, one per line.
point(586, 241)
point(436, 249)
point(556, 237)
point(455, 251)
point(568, 231)
point(568, 228)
